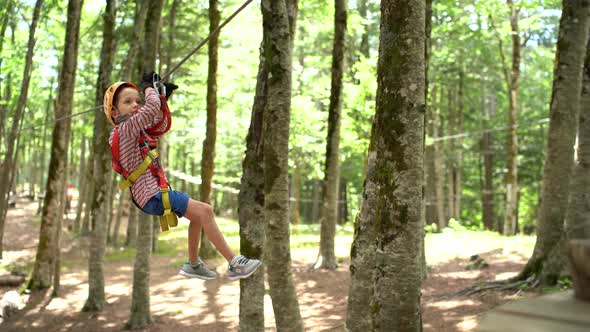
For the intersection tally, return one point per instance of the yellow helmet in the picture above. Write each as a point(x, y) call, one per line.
point(109, 97)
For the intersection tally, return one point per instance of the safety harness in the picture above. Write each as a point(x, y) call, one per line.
point(148, 142)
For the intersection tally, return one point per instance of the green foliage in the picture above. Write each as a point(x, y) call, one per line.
point(463, 40)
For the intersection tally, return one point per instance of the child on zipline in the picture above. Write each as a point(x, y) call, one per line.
point(133, 142)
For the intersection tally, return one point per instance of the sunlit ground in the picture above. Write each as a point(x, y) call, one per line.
point(180, 304)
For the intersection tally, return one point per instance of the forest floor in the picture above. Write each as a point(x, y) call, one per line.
point(181, 304)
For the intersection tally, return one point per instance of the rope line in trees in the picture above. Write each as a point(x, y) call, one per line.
point(191, 53)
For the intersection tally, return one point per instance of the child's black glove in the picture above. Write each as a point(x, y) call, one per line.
point(148, 80)
point(170, 87)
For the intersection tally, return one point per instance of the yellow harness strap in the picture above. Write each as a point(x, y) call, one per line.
point(169, 218)
point(142, 167)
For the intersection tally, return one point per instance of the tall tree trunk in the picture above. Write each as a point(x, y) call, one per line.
point(140, 303)
point(140, 296)
point(327, 256)
point(435, 185)
point(42, 268)
point(315, 200)
point(387, 297)
point(451, 159)
point(7, 169)
point(102, 167)
point(81, 184)
point(577, 220)
point(439, 172)
point(565, 103)
point(510, 209)
point(276, 187)
point(296, 195)
point(132, 225)
point(118, 217)
point(208, 157)
point(141, 10)
point(459, 149)
point(3, 108)
point(251, 207)
point(42, 169)
point(364, 46)
point(488, 163)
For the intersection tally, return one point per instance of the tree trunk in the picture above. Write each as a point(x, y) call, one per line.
point(395, 228)
point(315, 200)
point(577, 220)
point(364, 46)
point(296, 195)
point(6, 169)
point(118, 217)
point(208, 157)
point(451, 156)
point(276, 155)
point(140, 315)
point(42, 268)
point(140, 303)
point(81, 184)
point(488, 162)
point(140, 299)
point(102, 168)
point(132, 225)
point(3, 108)
point(141, 10)
point(442, 217)
point(459, 149)
point(251, 207)
point(510, 216)
point(430, 180)
point(565, 103)
point(327, 256)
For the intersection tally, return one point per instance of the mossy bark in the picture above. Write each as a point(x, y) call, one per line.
point(277, 48)
point(565, 103)
point(52, 209)
point(102, 168)
point(386, 255)
point(329, 212)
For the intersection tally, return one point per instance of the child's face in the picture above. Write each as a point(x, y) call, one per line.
point(128, 101)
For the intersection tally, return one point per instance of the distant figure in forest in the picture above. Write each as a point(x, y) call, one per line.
point(133, 144)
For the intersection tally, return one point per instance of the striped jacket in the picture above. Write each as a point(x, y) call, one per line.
point(130, 158)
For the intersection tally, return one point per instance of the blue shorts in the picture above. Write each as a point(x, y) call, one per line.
point(178, 202)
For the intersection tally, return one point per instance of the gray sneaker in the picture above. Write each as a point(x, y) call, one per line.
point(242, 267)
point(197, 271)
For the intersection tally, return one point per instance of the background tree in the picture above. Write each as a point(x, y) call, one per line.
point(102, 167)
point(208, 156)
point(52, 209)
point(510, 213)
point(3, 110)
point(140, 304)
point(567, 84)
point(276, 193)
point(577, 219)
point(329, 213)
point(8, 166)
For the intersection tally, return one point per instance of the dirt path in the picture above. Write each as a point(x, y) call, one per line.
point(180, 304)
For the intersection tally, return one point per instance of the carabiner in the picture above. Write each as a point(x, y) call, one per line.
point(161, 88)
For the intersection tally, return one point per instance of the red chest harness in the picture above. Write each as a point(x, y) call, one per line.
point(148, 142)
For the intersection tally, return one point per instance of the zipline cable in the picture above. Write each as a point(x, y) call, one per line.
point(479, 132)
point(216, 31)
point(163, 78)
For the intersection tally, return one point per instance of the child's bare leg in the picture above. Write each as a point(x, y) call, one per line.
point(202, 214)
point(194, 237)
